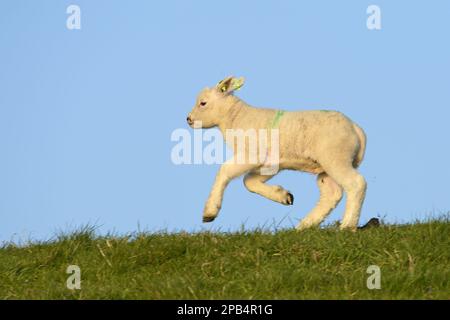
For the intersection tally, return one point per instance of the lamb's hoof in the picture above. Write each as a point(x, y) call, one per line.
point(287, 199)
point(290, 199)
point(208, 219)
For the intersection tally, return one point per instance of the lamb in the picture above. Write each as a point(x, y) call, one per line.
point(325, 143)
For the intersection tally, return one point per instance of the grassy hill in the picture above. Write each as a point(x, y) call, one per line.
point(414, 261)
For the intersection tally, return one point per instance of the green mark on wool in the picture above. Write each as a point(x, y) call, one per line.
point(277, 118)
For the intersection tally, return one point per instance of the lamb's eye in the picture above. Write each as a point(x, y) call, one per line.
point(203, 103)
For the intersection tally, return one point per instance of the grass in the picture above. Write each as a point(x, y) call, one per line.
point(318, 264)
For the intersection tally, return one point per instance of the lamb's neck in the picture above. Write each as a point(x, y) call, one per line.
point(239, 109)
point(236, 107)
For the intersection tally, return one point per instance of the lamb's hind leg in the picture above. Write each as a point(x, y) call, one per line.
point(355, 186)
point(256, 183)
point(330, 195)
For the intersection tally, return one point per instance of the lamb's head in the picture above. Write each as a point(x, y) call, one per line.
point(213, 104)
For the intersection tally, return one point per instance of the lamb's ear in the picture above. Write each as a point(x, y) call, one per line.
point(230, 84)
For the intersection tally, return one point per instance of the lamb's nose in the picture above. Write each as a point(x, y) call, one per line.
point(189, 120)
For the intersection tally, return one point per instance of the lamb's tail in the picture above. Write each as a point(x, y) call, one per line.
point(362, 145)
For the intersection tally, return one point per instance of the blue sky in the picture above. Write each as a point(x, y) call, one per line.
point(86, 115)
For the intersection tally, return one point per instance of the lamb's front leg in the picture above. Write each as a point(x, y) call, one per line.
point(228, 171)
point(256, 183)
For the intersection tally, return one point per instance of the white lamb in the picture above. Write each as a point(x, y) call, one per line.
point(325, 143)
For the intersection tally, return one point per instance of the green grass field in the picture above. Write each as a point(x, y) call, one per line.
point(414, 261)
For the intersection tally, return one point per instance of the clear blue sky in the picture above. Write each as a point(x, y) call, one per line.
point(86, 115)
